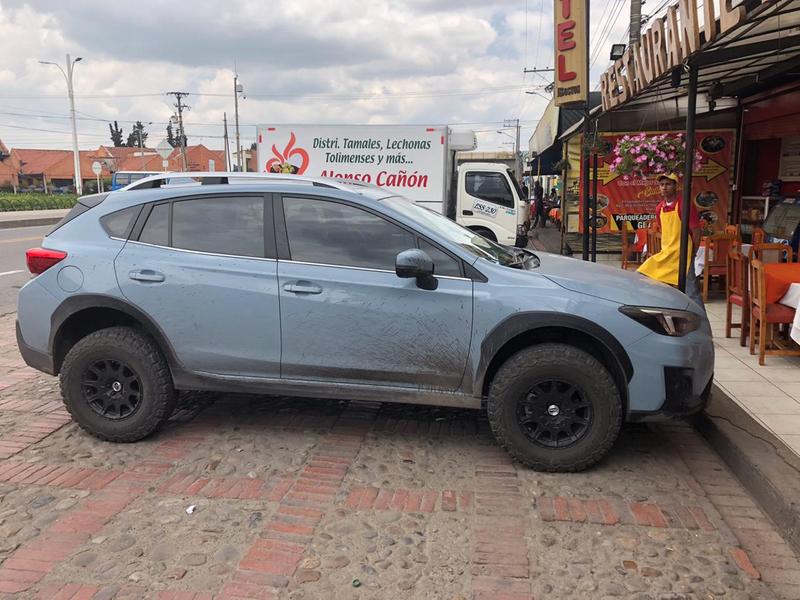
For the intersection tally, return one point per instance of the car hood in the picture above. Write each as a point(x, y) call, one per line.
point(614, 284)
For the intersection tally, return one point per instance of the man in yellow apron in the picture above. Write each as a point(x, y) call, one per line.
point(664, 265)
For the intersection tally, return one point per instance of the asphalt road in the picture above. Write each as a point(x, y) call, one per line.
point(13, 271)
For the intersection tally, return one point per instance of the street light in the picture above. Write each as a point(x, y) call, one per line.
point(617, 51)
point(75, 152)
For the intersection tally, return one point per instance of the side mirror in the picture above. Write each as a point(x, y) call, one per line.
point(416, 263)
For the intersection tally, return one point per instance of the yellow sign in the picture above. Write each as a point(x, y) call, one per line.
point(605, 174)
point(710, 170)
point(571, 56)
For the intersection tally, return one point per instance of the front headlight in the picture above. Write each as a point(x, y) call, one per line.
point(676, 323)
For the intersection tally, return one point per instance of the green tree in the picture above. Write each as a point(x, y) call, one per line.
point(116, 134)
point(133, 137)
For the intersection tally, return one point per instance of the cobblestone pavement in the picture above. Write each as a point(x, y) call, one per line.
point(320, 499)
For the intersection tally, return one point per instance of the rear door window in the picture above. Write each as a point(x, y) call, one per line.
point(225, 225)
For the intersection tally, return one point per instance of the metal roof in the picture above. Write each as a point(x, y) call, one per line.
point(757, 54)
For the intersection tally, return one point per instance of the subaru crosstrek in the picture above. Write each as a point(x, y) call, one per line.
point(311, 287)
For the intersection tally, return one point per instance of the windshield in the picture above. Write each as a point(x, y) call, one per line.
point(467, 239)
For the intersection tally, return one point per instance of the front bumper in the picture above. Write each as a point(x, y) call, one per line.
point(672, 375)
point(679, 403)
point(34, 358)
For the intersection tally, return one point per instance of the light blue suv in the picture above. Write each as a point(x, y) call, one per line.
point(311, 287)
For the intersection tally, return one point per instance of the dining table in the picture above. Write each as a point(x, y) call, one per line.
point(782, 286)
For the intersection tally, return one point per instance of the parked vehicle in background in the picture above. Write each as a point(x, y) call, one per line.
point(310, 287)
point(120, 179)
point(414, 161)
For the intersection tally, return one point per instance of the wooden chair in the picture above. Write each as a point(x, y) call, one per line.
point(763, 316)
point(717, 248)
point(771, 253)
point(735, 231)
point(737, 293)
point(631, 249)
point(758, 236)
point(653, 241)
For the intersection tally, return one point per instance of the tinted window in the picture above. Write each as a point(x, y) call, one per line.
point(336, 234)
point(220, 225)
point(118, 224)
point(492, 187)
point(122, 179)
point(443, 263)
point(156, 230)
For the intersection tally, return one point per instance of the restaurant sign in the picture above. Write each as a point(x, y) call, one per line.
point(571, 85)
point(669, 41)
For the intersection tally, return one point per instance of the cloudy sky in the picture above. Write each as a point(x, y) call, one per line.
point(454, 62)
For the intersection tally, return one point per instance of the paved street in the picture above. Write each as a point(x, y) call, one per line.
point(302, 499)
point(13, 272)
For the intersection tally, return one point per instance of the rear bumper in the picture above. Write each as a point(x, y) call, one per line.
point(33, 358)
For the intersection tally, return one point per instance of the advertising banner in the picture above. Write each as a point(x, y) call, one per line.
point(571, 52)
point(631, 202)
point(410, 160)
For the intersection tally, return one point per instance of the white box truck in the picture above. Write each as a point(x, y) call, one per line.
point(417, 162)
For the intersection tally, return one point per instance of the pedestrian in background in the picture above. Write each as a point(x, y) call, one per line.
point(538, 202)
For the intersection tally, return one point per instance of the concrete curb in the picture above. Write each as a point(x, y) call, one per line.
point(30, 222)
point(765, 466)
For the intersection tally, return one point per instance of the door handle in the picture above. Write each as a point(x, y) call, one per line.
point(147, 275)
point(469, 213)
point(302, 287)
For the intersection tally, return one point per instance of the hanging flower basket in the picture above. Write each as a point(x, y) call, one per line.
point(645, 156)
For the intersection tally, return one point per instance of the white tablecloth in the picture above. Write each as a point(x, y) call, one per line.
point(700, 257)
point(792, 298)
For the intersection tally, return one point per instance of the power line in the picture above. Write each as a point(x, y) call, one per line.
point(604, 38)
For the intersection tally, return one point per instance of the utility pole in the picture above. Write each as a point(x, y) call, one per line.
point(517, 161)
point(636, 22)
point(227, 149)
point(181, 107)
point(237, 89)
point(75, 151)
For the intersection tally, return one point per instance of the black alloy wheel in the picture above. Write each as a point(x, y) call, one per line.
point(112, 389)
point(554, 414)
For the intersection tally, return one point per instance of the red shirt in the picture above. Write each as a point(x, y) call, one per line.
point(694, 219)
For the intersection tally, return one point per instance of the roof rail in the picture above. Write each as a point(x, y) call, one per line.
point(193, 178)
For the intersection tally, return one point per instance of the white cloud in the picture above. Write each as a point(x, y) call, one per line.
point(304, 61)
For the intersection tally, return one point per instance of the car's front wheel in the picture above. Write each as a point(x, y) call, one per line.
point(555, 407)
point(117, 385)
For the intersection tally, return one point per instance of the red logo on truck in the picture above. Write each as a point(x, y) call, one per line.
point(293, 159)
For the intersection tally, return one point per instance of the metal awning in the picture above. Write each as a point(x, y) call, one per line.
point(760, 52)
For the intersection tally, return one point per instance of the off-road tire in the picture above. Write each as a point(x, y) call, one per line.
point(134, 348)
point(571, 365)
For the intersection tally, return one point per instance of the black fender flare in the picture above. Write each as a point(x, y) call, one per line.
point(78, 303)
point(530, 321)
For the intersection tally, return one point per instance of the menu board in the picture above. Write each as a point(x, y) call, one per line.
point(790, 159)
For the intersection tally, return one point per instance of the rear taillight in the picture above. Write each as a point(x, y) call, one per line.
point(41, 259)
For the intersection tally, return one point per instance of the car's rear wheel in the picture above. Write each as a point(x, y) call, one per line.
point(555, 407)
point(117, 385)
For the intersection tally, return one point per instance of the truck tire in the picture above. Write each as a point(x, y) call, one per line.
point(554, 408)
point(487, 233)
point(116, 385)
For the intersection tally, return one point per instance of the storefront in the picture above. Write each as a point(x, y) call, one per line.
point(734, 83)
point(771, 153)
